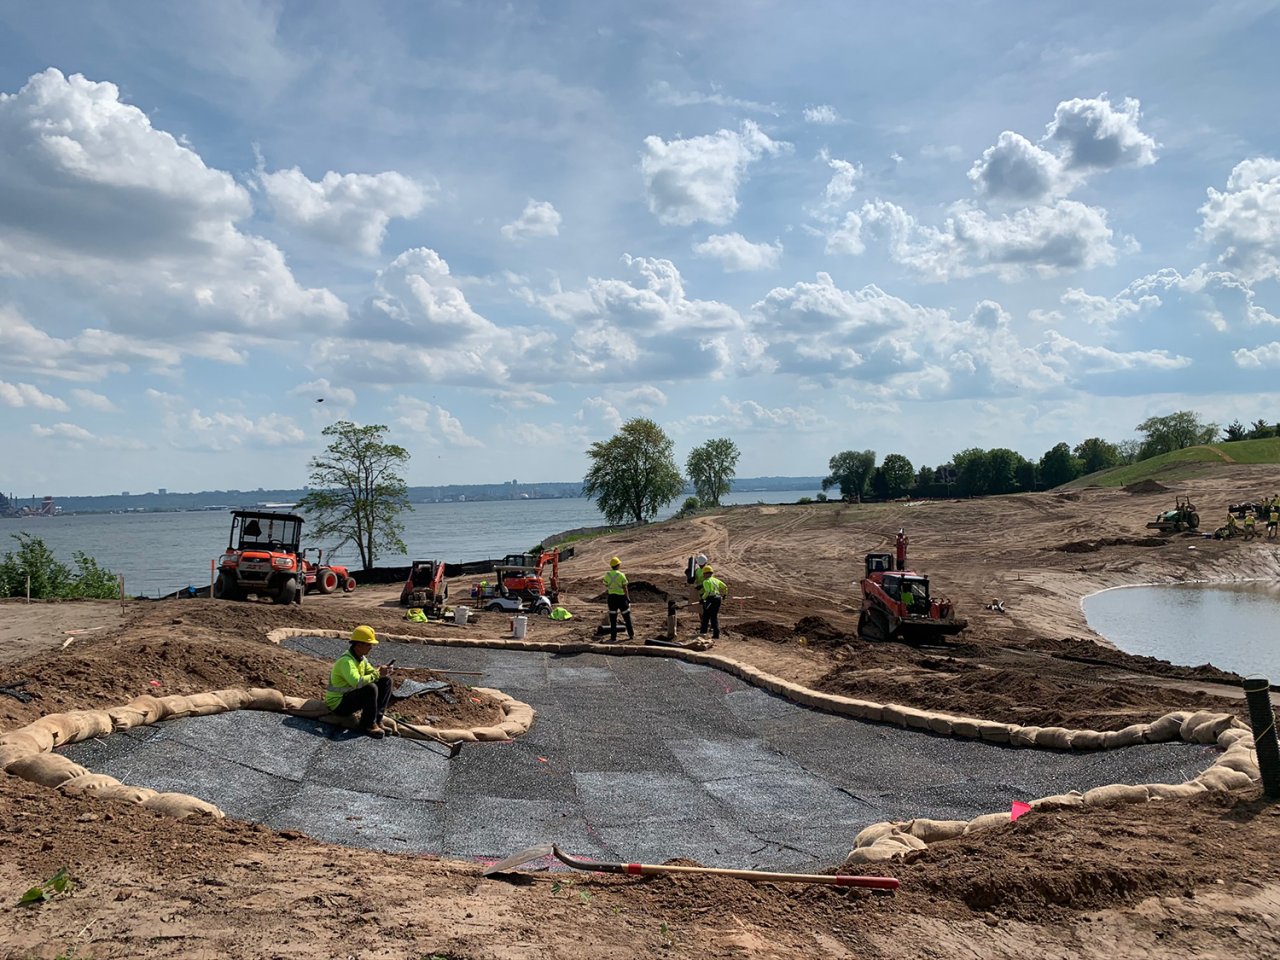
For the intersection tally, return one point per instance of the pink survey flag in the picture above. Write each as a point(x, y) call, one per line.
point(1018, 809)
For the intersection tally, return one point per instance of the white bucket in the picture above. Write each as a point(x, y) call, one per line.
point(460, 614)
point(518, 628)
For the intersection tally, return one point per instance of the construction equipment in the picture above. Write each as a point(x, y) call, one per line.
point(522, 576)
point(263, 558)
point(324, 577)
point(1182, 517)
point(896, 604)
point(425, 587)
point(882, 884)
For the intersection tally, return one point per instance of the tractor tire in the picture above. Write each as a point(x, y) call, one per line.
point(349, 585)
point(1193, 521)
point(285, 592)
point(224, 588)
point(326, 580)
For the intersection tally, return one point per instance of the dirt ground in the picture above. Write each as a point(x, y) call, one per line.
point(1180, 878)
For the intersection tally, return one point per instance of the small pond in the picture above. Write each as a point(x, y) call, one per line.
point(1234, 626)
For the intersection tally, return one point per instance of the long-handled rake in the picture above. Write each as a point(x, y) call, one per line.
point(455, 746)
point(880, 884)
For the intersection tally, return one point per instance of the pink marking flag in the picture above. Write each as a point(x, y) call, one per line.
point(1018, 809)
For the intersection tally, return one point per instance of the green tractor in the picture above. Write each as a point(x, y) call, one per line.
point(1182, 517)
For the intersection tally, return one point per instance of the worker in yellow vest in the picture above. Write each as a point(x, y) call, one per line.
point(618, 596)
point(1250, 530)
point(356, 684)
point(1273, 518)
point(713, 594)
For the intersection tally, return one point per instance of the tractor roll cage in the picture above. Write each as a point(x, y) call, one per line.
point(251, 529)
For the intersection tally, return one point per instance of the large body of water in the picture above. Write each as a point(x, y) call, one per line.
point(1234, 626)
point(161, 552)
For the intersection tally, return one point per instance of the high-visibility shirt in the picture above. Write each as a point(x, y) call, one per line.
point(560, 613)
point(615, 581)
point(698, 577)
point(348, 674)
point(713, 587)
point(1273, 516)
point(1248, 521)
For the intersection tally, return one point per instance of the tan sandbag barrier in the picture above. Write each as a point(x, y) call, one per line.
point(1236, 767)
point(26, 752)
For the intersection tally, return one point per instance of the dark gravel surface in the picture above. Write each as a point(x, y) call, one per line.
point(630, 758)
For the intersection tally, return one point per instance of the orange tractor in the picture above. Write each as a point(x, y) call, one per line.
point(896, 604)
point(264, 558)
point(325, 577)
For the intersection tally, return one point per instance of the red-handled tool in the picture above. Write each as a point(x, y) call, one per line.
point(882, 884)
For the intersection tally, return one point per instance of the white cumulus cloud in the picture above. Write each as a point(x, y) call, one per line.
point(736, 253)
point(1042, 240)
point(28, 395)
point(698, 178)
point(1096, 134)
point(93, 401)
point(539, 219)
point(1016, 169)
point(136, 223)
point(347, 209)
point(1244, 219)
point(431, 423)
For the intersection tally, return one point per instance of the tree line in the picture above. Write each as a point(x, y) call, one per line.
point(358, 493)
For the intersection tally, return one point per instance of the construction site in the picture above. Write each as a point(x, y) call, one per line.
point(905, 742)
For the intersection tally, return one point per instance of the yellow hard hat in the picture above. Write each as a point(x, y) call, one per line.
point(364, 634)
point(615, 562)
point(707, 568)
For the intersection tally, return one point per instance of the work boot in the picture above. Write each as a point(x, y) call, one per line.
point(375, 732)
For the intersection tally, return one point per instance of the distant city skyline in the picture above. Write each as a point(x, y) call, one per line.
point(504, 229)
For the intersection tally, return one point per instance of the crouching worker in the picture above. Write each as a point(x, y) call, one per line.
point(356, 684)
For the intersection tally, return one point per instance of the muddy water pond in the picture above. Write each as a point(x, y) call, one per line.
point(1234, 626)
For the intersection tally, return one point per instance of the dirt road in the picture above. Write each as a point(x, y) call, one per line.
point(1169, 878)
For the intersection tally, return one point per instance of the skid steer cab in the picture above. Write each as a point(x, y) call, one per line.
point(263, 558)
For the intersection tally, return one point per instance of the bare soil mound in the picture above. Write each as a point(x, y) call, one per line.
point(1146, 486)
point(764, 630)
point(822, 631)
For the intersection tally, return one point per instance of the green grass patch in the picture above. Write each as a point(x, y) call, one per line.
point(1181, 464)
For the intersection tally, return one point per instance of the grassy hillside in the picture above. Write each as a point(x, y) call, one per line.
point(1182, 463)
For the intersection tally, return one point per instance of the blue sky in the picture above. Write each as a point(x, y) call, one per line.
point(503, 229)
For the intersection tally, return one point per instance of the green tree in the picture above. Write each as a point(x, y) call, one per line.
point(899, 474)
point(711, 468)
point(924, 477)
point(1096, 454)
point(358, 493)
point(1235, 431)
point(850, 471)
point(973, 472)
point(1261, 430)
point(1174, 432)
point(633, 474)
point(1059, 466)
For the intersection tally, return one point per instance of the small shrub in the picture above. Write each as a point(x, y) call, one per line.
point(51, 579)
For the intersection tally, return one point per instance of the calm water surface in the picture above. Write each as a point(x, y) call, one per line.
point(162, 552)
point(1234, 626)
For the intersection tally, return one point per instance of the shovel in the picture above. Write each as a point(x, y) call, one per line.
point(887, 884)
point(455, 746)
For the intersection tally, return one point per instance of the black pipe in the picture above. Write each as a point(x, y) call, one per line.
point(1262, 717)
